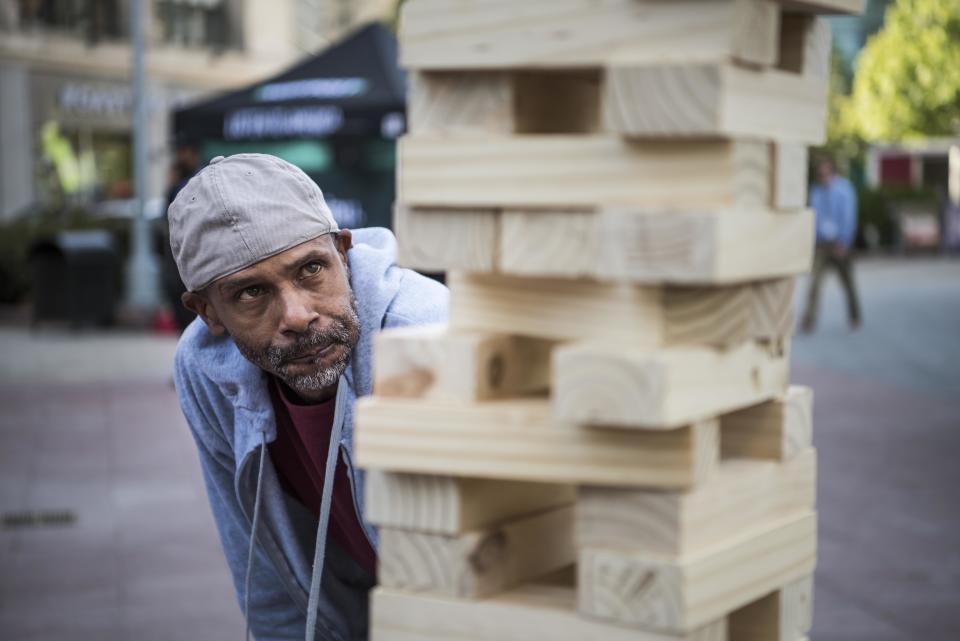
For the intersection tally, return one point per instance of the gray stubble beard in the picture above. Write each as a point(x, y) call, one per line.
point(344, 331)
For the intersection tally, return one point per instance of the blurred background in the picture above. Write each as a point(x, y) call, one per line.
point(105, 531)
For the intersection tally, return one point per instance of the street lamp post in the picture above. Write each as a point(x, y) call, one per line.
point(143, 290)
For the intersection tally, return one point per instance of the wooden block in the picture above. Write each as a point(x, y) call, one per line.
point(478, 563)
point(584, 33)
point(824, 6)
point(681, 594)
point(626, 314)
point(571, 171)
point(789, 163)
point(771, 309)
point(727, 101)
point(531, 612)
point(431, 362)
point(453, 505)
point(609, 384)
point(437, 240)
point(741, 495)
point(520, 440)
point(552, 243)
point(776, 429)
point(455, 103)
point(656, 246)
point(806, 45)
point(784, 615)
point(729, 315)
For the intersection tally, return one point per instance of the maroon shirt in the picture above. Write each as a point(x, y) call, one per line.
point(299, 454)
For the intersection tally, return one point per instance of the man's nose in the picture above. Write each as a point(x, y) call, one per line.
point(297, 312)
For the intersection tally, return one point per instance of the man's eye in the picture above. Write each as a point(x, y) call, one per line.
point(249, 293)
point(312, 268)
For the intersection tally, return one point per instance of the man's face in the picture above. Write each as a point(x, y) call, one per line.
point(293, 314)
point(825, 172)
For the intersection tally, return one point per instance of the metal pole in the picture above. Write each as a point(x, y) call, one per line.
point(143, 287)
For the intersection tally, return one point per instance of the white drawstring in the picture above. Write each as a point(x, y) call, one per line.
point(253, 535)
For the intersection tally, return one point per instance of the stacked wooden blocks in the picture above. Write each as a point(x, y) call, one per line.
point(617, 191)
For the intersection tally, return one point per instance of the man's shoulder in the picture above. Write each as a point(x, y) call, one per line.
point(419, 300)
point(211, 362)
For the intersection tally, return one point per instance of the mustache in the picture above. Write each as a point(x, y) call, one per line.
point(339, 332)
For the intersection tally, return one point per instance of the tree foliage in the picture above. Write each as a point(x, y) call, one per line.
point(907, 82)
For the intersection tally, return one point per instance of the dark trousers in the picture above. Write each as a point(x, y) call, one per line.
point(825, 258)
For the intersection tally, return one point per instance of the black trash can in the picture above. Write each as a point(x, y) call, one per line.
point(75, 278)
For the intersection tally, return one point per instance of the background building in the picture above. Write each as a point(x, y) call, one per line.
point(65, 99)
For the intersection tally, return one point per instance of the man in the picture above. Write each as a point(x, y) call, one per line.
point(288, 305)
point(835, 203)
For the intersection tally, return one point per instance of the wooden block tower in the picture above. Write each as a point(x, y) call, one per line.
point(602, 444)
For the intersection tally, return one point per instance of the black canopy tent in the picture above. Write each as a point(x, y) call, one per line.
point(335, 115)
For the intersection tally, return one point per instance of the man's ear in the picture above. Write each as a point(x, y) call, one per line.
point(200, 305)
point(344, 242)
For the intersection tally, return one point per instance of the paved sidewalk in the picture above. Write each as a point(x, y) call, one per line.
point(90, 424)
point(141, 561)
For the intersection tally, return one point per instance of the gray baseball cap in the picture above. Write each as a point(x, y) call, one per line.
point(240, 210)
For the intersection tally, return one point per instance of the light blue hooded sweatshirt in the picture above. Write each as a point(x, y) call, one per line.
point(227, 405)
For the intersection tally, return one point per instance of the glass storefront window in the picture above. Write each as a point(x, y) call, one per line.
point(84, 166)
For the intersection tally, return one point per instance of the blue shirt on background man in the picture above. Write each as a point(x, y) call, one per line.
point(835, 203)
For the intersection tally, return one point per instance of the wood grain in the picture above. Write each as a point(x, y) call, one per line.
point(520, 440)
point(435, 240)
point(656, 246)
point(741, 495)
point(570, 171)
point(824, 6)
point(610, 384)
point(675, 595)
point(530, 612)
point(777, 429)
point(453, 505)
point(630, 315)
point(477, 563)
point(654, 101)
point(492, 34)
point(479, 103)
point(433, 363)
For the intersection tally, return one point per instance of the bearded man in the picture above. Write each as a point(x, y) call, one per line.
point(288, 306)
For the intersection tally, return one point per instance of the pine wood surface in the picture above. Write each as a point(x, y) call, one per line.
point(622, 313)
point(454, 505)
point(572, 170)
point(610, 244)
point(526, 613)
point(698, 100)
point(477, 563)
point(741, 495)
point(575, 33)
point(610, 384)
point(433, 363)
point(520, 440)
point(676, 595)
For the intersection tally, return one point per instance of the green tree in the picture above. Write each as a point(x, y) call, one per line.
point(907, 82)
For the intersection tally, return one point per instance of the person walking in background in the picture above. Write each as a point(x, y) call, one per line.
point(835, 203)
